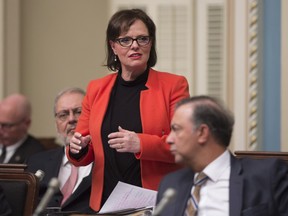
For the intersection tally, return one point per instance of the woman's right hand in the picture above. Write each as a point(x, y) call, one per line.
point(78, 142)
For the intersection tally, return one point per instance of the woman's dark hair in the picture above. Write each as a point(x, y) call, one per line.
point(120, 22)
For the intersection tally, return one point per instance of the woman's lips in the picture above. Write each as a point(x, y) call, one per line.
point(135, 55)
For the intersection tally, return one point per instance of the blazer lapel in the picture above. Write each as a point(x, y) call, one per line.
point(84, 185)
point(52, 167)
point(55, 160)
point(183, 191)
point(148, 104)
point(236, 188)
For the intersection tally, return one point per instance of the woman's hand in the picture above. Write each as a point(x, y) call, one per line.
point(124, 141)
point(78, 142)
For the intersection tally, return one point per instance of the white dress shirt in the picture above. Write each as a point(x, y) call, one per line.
point(214, 192)
point(65, 171)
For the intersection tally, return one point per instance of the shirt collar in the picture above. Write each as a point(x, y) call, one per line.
point(65, 160)
point(216, 168)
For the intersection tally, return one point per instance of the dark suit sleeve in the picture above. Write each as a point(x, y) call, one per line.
point(181, 182)
point(280, 186)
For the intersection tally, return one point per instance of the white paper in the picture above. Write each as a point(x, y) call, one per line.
point(126, 196)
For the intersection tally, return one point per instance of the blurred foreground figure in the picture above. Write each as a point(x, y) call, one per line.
point(215, 182)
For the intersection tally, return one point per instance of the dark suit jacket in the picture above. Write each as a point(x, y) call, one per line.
point(28, 148)
point(257, 188)
point(50, 162)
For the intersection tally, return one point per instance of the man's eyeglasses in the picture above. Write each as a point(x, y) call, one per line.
point(127, 41)
point(8, 126)
point(63, 115)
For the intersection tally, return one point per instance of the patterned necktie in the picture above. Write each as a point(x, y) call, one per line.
point(3, 155)
point(192, 204)
point(69, 185)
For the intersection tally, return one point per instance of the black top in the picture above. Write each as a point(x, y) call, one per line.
point(123, 110)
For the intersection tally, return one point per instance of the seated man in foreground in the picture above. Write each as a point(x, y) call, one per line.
point(215, 182)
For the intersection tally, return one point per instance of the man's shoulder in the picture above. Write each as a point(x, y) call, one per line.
point(261, 162)
point(39, 156)
point(262, 166)
point(180, 175)
point(33, 142)
point(42, 159)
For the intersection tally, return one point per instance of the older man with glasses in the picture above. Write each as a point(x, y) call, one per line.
point(75, 182)
point(16, 144)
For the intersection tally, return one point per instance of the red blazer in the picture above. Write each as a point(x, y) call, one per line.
point(156, 110)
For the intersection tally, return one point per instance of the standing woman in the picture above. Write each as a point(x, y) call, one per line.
point(126, 115)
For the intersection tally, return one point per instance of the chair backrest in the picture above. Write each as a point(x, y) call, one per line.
point(262, 154)
point(20, 188)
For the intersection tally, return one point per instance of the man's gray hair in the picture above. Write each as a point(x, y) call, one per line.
point(67, 91)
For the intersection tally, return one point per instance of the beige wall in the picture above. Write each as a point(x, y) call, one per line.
point(62, 45)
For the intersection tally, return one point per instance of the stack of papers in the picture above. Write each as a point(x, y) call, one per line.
point(126, 199)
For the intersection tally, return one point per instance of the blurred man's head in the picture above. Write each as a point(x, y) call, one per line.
point(67, 109)
point(15, 118)
point(201, 129)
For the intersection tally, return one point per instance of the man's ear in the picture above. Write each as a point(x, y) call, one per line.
point(203, 133)
point(27, 122)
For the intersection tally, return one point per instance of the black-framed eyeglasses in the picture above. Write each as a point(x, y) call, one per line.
point(8, 126)
point(63, 115)
point(128, 41)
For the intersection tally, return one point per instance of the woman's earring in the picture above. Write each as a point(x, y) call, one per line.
point(115, 57)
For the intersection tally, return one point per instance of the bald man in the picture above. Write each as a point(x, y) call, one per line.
point(16, 145)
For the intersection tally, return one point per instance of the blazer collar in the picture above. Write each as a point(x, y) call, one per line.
point(152, 81)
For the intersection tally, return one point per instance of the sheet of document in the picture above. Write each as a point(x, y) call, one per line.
point(126, 196)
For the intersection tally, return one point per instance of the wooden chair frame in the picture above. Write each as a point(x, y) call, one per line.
point(15, 173)
point(262, 154)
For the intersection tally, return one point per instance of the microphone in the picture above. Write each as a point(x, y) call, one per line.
point(52, 188)
point(40, 174)
point(168, 196)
